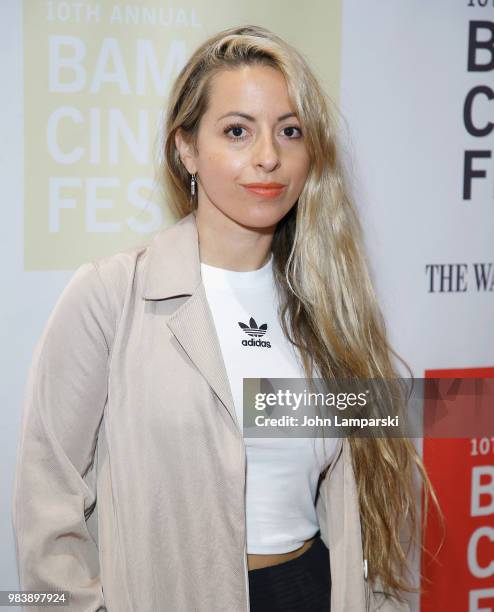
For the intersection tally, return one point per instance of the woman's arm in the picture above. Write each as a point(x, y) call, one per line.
point(63, 406)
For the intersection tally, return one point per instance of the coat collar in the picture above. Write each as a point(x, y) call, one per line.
point(173, 264)
point(173, 270)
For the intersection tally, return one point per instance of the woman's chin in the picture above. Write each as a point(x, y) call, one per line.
point(259, 217)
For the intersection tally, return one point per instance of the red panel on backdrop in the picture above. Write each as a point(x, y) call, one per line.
point(462, 473)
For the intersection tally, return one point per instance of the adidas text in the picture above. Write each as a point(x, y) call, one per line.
point(253, 342)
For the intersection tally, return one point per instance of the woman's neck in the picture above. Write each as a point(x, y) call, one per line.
point(224, 243)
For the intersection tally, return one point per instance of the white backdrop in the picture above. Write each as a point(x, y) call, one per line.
point(403, 82)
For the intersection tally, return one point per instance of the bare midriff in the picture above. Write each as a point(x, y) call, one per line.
point(258, 561)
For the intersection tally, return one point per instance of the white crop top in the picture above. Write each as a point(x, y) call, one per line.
point(282, 473)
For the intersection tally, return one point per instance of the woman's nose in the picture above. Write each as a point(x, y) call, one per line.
point(266, 152)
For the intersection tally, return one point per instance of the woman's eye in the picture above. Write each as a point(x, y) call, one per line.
point(237, 132)
point(293, 127)
point(236, 129)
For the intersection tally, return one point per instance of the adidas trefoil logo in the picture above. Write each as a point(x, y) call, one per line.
point(256, 331)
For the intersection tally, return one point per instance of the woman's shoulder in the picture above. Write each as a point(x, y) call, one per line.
point(116, 270)
point(104, 284)
point(120, 268)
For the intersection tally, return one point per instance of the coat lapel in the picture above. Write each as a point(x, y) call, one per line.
point(193, 326)
point(173, 270)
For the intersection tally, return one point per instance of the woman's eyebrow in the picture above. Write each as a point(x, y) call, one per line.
point(251, 118)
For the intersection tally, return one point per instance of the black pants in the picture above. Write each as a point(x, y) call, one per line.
point(302, 584)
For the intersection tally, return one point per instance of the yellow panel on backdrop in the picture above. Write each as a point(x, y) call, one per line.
point(96, 79)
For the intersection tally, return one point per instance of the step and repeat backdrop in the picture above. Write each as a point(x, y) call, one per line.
point(84, 88)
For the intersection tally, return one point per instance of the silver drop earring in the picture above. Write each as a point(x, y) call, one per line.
point(193, 184)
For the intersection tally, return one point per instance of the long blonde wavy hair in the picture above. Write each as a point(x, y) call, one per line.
point(322, 277)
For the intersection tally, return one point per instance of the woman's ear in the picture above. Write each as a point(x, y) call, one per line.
point(185, 151)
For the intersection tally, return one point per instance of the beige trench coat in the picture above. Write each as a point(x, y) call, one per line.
point(130, 478)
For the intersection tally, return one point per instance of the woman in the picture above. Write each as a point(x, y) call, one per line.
point(134, 396)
